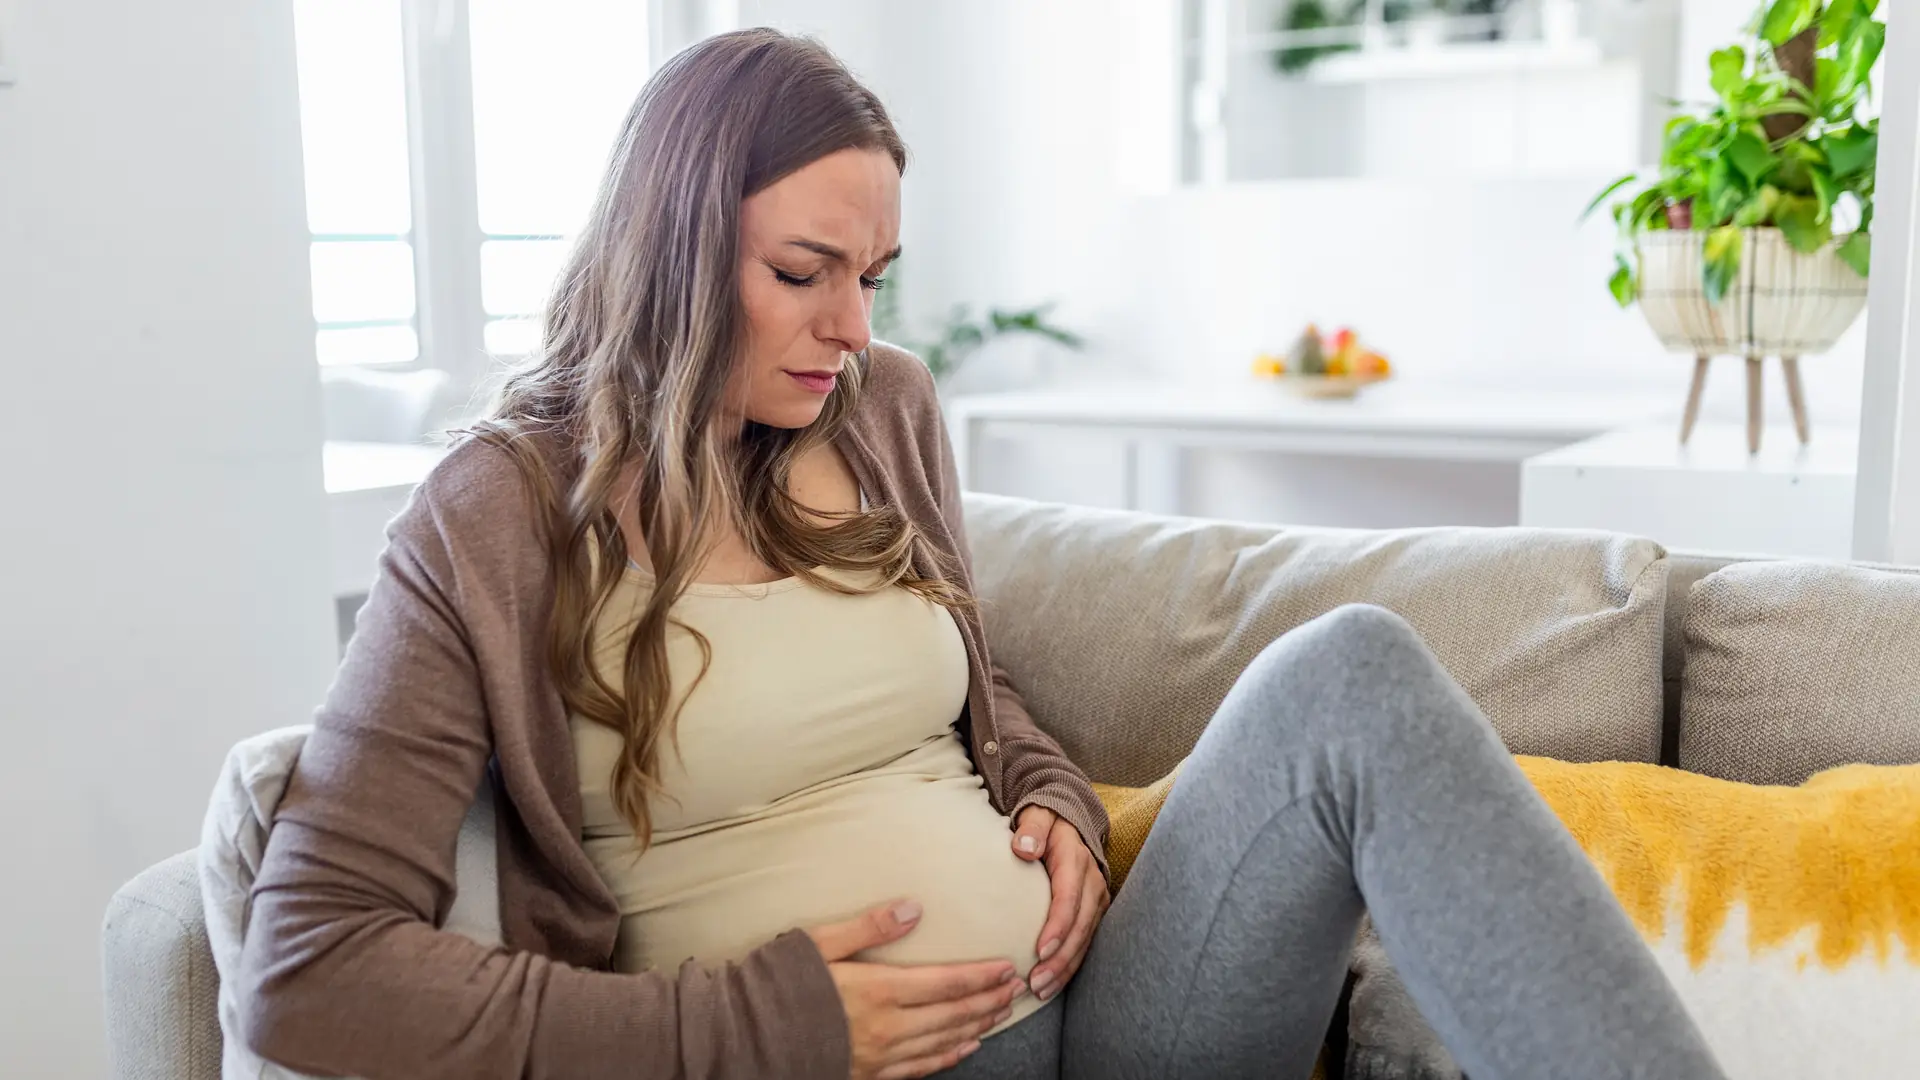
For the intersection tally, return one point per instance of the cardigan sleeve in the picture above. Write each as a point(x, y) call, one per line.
point(343, 970)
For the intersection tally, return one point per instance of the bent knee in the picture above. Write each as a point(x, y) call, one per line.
point(1339, 637)
point(1328, 675)
point(1362, 622)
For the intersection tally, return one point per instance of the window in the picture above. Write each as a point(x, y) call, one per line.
point(353, 117)
point(551, 84)
point(452, 147)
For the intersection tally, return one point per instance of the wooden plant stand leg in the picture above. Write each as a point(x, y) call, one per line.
point(1753, 405)
point(1797, 397)
point(1693, 397)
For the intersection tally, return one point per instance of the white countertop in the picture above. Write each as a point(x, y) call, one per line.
point(1395, 407)
point(1714, 448)
point(1710, 495)
point(356, 466)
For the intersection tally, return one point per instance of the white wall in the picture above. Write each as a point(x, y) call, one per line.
point(1706, 26)
point(163, 562)
point(1044, 166)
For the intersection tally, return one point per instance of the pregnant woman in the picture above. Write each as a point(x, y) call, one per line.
point(694, 601)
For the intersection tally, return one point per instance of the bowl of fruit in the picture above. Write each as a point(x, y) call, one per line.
point(1317, 366)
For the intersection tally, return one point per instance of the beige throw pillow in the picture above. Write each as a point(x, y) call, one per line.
point(1795, 667)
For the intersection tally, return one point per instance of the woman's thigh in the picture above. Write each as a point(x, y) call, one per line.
point(1346, 762)
point(1224, 954)
point(1029, 1050)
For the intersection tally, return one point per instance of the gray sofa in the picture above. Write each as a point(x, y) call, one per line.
point(1125, 630)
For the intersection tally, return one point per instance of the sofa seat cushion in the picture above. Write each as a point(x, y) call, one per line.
point(1795, 667)
point(1124, 631)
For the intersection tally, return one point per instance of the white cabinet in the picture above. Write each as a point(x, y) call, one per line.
point(1709, 495)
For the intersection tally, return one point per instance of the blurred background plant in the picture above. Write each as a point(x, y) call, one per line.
point(961, 333)
point(1316, 29)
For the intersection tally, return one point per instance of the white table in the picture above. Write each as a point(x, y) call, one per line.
point(367, 484)
point(1396, 420)
point(1710, 495)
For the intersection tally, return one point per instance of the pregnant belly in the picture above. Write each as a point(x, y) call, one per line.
point(713, 895)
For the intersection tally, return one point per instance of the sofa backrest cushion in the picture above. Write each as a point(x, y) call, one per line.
point(1124, 631)
point(1795, 667)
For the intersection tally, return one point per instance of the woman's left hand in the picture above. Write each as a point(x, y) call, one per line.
point(1079, 896)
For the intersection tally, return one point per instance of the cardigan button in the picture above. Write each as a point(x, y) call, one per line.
point(990, 747)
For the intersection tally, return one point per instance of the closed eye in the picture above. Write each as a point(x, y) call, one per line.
point(872, 284)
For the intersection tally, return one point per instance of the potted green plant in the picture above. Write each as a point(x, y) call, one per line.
point(961, 333)
point(1753, 237)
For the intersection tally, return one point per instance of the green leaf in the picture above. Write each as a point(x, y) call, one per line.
point(1826, 190)
point(1857, 251)
point(1683, 138)
point(1065, 337)
point(1836, 20)
point(1623, 284)
point(1787, 18)
point(1725, 192)
point(1826, 84)
point(1858, 54)
point(1852, 150)
point(1759, 209)
point(1729, 67)
point(1749, 154)
point(1721, 264)
point(1602, 197)
point(1647, 208)
point(1799, 218)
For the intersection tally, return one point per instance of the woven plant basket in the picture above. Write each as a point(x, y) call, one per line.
point(1783, 303)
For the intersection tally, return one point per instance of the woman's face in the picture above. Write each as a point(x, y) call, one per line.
point(812, 249)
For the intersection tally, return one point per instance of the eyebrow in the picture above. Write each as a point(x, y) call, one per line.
point(834, 253)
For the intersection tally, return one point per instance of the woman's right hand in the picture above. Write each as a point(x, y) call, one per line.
point(910, 1021)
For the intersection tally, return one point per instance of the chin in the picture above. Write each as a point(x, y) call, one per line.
point(789, 414)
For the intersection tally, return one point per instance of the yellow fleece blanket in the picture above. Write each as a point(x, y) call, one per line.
point(1787, 917)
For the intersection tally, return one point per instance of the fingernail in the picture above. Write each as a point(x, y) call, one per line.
point(1047, 950)
point(969, 1047)
point(1001, 1017)
point(1039, 983)
point(906, 911)
point(1006, 976)
point(1029, 845)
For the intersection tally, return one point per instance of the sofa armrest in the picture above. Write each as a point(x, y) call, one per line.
point(161, 986)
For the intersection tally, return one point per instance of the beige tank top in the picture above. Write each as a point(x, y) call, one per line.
point(817, 773)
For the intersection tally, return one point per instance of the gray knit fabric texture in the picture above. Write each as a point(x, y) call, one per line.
point(1124, 631)
point(1795, 667)
point(1387, 1037)
point(160, 981)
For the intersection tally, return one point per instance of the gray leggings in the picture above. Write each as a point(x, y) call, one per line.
point(1347, 772)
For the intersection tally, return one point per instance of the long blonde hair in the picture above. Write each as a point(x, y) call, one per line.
point(643, 332)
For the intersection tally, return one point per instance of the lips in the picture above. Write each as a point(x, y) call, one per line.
point(819, 382)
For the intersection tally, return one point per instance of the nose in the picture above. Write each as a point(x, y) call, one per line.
point(846, 326)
